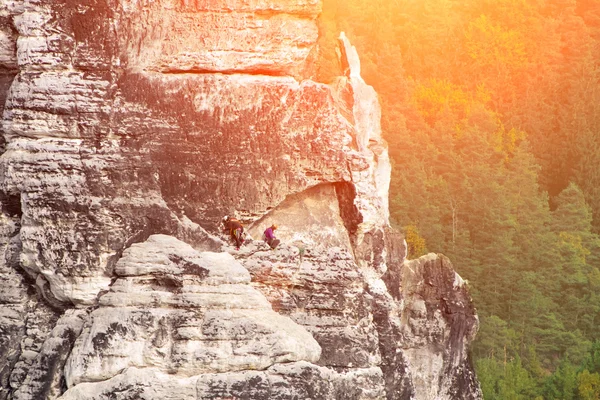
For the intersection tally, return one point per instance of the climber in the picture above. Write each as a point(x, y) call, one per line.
point(235, 229)
point(269, 236)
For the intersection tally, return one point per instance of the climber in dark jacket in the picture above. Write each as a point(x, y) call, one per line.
point(270, 238)
point(235, 229)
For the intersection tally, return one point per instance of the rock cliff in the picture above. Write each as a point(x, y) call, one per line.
point(129, 129)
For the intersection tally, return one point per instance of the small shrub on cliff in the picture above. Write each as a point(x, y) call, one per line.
point(415, 243)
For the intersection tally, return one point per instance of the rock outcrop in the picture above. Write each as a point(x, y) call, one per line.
point(129, 129)
point(183, 313)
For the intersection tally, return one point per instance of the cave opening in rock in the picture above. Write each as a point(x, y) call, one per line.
point(11, 204)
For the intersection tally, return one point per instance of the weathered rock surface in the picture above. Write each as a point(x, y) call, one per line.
point(324, 292)
point(300, 380)
point(257, 36)
point(131, 127)
point(430, 322)
point(183, 313)
point(45, 377)
point(433, 291)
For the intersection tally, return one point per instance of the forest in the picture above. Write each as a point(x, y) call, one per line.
point(491, 109)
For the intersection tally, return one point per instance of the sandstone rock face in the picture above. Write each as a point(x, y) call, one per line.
point(129, 129)
point(184, 313)
point(45, 377)
point(324, 292)
point(8, 51)
point(431, 323)
point(256, 36)
point(366, 112)
point(310, 219)
point(300, 380)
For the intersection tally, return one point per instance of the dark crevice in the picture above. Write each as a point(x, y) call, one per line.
point(346, 193)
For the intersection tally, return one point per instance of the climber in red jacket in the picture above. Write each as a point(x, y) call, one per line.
point(235, 229)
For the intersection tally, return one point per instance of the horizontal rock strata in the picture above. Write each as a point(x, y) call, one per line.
point(254, 37)
point(129, 129)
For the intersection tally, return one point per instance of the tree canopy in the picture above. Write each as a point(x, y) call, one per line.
point(491, 109)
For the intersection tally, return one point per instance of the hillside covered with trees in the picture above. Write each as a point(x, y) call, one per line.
point(492, 112)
